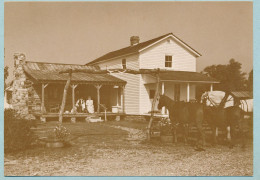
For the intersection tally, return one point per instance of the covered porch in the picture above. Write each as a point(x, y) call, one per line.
point(45, 96)
point(177, 85)
point(108, 100)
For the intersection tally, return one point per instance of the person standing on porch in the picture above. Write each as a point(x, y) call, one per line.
point(89, 104)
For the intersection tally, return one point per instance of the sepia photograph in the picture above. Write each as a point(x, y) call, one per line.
point(128, 88)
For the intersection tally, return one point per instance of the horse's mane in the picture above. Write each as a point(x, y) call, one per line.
point(168, 101)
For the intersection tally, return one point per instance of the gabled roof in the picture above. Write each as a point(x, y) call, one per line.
point(141, 46)
point(185, 76)
point(49, 72)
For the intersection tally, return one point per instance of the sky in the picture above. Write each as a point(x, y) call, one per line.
point(79, 32)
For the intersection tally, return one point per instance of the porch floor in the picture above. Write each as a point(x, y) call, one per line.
point(78, 114)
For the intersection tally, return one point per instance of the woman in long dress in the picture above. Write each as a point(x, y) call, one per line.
point(89, 104)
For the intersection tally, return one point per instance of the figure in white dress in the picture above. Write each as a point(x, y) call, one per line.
point(89, 104)
point(80, 105)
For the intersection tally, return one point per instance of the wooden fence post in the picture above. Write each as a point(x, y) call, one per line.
point(64, 96)
point(153, 104)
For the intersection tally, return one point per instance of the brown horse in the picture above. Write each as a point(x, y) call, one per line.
point(185, 114)
point(223, 118)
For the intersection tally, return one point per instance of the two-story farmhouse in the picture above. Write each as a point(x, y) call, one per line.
point(164, 52)
point(37, 88)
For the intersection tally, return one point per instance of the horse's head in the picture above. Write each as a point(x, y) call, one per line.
point(204, 98)
point(161, 103)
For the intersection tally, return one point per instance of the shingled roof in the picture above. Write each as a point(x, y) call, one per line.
point(137, 48)
point(49, 72)
point(185, 76)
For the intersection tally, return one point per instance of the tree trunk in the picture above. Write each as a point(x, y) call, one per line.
point(153, 106)
point(64, 97)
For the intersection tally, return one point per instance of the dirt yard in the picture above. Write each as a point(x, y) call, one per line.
point(120, 149)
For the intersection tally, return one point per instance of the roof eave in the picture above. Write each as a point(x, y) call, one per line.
point(95, 63)
point(187, 81)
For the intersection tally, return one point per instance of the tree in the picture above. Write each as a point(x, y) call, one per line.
point(6, 74)
point(250, 81)
point(230, 76)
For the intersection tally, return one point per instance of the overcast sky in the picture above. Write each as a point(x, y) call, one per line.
point(78, 32)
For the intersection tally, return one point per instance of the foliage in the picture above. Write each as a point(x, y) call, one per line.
point(250, 81)
point(6, 74)
point(230, 76)
point(61, 133)
point(165, 126)
point(17, 132)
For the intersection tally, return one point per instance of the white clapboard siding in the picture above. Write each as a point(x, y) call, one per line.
point(132, 90)
point(145, 101)
point(154, 56)
point(146, 83)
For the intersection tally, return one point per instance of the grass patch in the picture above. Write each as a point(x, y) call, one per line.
point(101, 150)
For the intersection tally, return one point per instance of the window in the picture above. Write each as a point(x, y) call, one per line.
point(152, 93)
point(124, 63)
point(168, 61)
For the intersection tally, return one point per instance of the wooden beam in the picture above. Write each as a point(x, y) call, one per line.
point(163, 88)
point(153, 105)
point(211, 87)
point(98, 97)
point(43, 110)
point(188, 92)
point(123, 98)
point(108, 71)
point(73, 98)
point(64, 97)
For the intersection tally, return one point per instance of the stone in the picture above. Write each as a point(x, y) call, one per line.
point(73, 119)
point(43, 119)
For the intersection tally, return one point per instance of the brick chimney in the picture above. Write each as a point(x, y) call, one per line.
point(134, 40)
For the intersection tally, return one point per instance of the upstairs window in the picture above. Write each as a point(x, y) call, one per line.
point(124, 63)
point(168, 61)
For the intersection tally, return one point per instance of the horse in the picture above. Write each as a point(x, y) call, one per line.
point(185, 114)
point(227, 117)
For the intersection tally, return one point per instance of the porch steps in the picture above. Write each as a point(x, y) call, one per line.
point(93, 119)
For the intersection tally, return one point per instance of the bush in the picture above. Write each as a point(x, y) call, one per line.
point(165, 126)
point(17, 132)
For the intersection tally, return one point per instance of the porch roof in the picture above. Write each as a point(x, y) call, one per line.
point(186, 76)
point(49, 72)
point(242, 94)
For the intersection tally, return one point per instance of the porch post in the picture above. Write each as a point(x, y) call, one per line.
point(163, 108)
point(117, 89)
point(98, 97)
point(73, 97)
point(123, 99)
point(43, 106)
point(211, 87)
point(188, 92)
